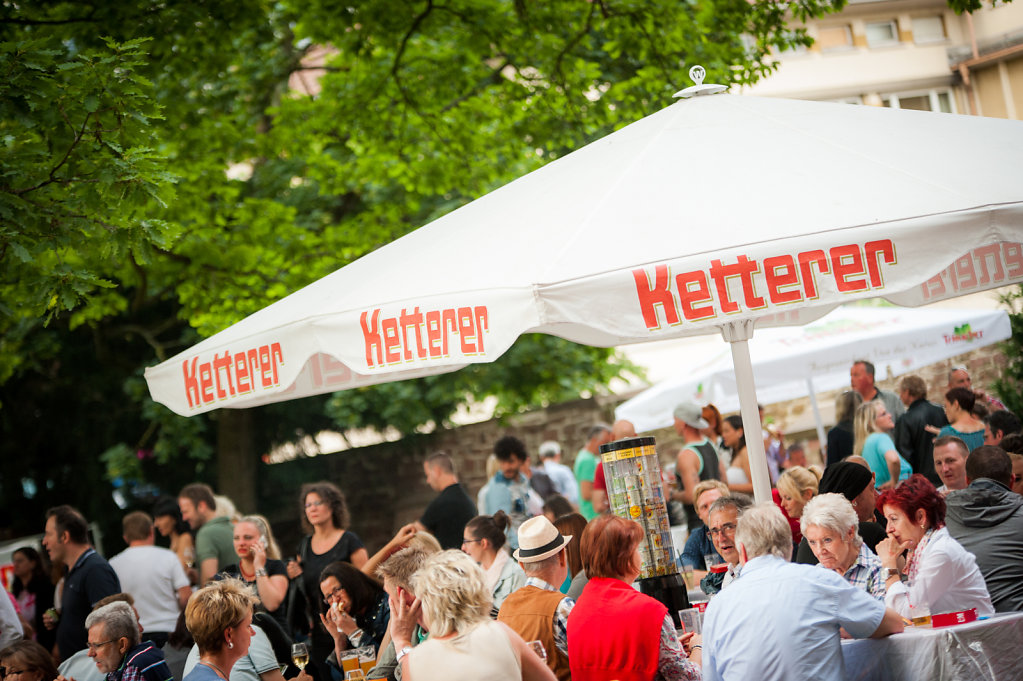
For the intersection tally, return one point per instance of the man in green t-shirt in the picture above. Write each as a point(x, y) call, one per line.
point(214, 538)
point(586, 464)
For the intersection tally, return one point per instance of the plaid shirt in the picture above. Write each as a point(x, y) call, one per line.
point(867, 573)
point(672, 663)
point(144, 662)
point(560, 615)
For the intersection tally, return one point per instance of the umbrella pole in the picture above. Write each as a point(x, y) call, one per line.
point(738, 334)
point(821, 437)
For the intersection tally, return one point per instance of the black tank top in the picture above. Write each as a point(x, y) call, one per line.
point(710, 471)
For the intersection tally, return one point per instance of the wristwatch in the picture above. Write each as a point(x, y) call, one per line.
point(891, 572)
point(261, 572)
point(402, 653)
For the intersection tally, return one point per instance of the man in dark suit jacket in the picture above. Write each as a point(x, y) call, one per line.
point(912, 438)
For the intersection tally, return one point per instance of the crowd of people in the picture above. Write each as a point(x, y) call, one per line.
point(916, 511)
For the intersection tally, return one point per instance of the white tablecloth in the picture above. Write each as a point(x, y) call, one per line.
point(989, 649)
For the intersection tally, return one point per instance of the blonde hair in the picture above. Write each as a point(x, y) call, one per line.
point(763, 530)
point(263, 527)
point(226, 508)
point(706, 486)
point(864, 424)
point(453, 591)
point(402, 566)
point(796, 480)
point(425, 542)
point(215, 608)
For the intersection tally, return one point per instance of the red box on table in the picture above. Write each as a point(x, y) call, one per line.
point(949, 618)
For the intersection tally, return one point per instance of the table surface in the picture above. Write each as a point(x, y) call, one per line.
point(985, 649)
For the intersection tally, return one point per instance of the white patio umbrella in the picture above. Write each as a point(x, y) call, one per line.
point(707, 216)
point(801, 361)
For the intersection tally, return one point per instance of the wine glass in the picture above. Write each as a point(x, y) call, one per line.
point(300, 655)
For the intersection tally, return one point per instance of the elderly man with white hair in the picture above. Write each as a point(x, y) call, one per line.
point(830, 525)
point(781, 620)
point(115, 646)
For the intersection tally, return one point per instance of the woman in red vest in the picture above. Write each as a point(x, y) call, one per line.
point(615, 632)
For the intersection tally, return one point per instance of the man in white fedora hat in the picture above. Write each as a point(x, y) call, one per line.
point(539, 611)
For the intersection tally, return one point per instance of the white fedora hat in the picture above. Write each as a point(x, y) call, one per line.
point(539, 539)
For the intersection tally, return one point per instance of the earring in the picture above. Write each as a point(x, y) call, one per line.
point(230, 645)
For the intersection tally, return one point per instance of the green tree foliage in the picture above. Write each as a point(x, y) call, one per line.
point(1009, 386)
point(160, 179)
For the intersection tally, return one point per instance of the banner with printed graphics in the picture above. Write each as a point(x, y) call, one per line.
point(896, 340)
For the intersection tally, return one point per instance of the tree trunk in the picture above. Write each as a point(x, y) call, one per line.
point(237, 458)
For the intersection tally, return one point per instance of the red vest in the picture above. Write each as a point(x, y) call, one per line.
point(614, 633)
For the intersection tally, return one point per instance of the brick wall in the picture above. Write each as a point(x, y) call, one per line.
point(384, 483)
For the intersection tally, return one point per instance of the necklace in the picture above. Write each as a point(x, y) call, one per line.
point(215, 668)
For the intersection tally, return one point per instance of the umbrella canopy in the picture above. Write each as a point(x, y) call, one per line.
point(896, 340)
point(710, 214)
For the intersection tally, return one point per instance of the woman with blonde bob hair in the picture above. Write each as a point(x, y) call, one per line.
point(831, 527)
point(219, 617)
point(452, 603)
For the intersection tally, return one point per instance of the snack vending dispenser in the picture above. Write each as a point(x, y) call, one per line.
point(635, 491)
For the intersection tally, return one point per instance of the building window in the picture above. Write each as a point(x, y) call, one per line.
point(834, 37)
point(928, 30)
point(931, 100)
point(882, 33)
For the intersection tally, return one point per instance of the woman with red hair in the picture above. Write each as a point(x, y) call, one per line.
point(942, 576)
point(615, 632)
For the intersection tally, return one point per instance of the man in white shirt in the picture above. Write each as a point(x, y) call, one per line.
point(153, 576)
point(780, 620)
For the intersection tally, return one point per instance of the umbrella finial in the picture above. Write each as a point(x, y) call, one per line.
point(698, 73)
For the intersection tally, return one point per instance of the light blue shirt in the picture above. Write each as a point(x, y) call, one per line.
point(780, 620)
point(563, 479)
point(509, 496)
point(874, 449)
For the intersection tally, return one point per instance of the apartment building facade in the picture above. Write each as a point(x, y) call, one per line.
point(909, 54)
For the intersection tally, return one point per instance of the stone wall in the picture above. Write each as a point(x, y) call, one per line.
point(384, 483)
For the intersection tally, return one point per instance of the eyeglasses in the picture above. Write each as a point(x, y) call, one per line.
point(825, 543)
point(315, 504)
point(329, 598)
point(96, 646)
point(726, 528)
point(470, 541)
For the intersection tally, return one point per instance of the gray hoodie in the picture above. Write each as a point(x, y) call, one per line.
point(986, 518)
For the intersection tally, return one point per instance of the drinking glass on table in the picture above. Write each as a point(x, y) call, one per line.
point(300, 655)
point(538, 648)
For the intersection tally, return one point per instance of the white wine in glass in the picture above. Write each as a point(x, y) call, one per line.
point(300, 655)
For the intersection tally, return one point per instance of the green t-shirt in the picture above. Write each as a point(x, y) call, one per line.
point(215, 539)
point(584, 468)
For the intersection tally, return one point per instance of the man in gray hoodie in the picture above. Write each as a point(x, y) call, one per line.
point(987, 519)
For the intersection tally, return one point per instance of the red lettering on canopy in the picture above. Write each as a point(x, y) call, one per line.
point(693, 290)
point(417, 335)
point(658, 294)
point(788, 278)
point(781, 273)
point(231, 374)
